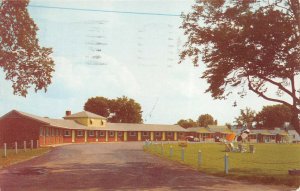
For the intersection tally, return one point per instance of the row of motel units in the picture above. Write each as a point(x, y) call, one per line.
point(17, 126)
point(210, 133)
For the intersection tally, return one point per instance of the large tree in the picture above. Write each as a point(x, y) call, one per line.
point(25, 63)
point(247, 45)
point(125, 110)
point(98, 105)
point(119, 110)
point(274, 116)
point(205, 120)
point(246, 118)
point(187, 123)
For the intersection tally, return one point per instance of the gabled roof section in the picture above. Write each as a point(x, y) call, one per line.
point(220, 128)
point(67, 124)
point(84, 114)
point(16, 114)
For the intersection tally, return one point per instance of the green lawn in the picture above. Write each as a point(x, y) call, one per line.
point(269, 164)
point(13, 158)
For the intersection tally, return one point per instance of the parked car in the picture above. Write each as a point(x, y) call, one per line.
point(189, 138)
point(192, 139)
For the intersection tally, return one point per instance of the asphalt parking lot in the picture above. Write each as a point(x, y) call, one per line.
point(112, 166)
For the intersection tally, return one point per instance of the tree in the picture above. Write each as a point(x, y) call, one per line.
point(274, 116)
point(205, 120)
point(187, 123)
point(25, 63)
point(125, 111)
point(120, 110)
point(246, 118)
point(98, 105)
point(228, 125)
point(250, 45)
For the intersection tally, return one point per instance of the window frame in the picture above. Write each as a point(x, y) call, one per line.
point(111, 134)
point(145, 133)
point(79, 134)
point(41, 131)
point(132, 134)
point(101, 133)
point(91, 133)
point(158, 134)
point(67, 134)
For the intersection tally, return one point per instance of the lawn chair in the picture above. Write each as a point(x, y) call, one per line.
point(229, 147)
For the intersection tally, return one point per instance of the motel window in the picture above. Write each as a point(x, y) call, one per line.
point(157, 134)
point(111, 133)
point(132, 133)
point(61, 132)
point(53, 132)
point(120, 134)
point(80, 133)
point(102, 133)
point(145, 133)
point(67, 133)
point(169, 134)
point(91, 133)
point(41, 131)
point(47, 131)
point(57, 132)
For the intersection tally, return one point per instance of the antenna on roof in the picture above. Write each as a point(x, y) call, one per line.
point(150, 113)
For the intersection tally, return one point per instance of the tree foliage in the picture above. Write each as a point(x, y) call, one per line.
point(205, 120)
point(126, 111)
point(246, 118)
point(23, 60)
point(247, 45)
point(274, 116)
point(98, 105)
point(187, 123)
point(119, 110)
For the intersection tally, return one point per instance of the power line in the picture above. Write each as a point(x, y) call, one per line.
point(104, 11)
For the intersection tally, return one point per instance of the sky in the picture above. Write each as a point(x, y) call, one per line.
point(114, 54)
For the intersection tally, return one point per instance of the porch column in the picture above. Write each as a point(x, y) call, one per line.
point(125, 135)
point(163, 136)
point(96, 135)
point(175, 136)
point(106, 136)
point(116, 136)
point(151, 135)
point(85, 136)
point(73, 136)
point(139, 136)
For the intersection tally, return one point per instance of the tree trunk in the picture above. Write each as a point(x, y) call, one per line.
point(295, 112)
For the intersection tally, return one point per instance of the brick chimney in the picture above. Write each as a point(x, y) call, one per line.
point(68, 112)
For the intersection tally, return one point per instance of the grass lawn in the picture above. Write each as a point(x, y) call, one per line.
point(269, 164)
point(12, 157)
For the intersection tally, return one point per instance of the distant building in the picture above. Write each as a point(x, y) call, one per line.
point(211, 133)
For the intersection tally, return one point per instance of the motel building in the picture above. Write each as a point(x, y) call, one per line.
point(82, 127)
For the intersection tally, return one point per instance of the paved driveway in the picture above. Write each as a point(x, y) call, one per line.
point(112, 166)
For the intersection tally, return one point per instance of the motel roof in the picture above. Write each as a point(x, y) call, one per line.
point(144, 127)
point(71, 124)
point(199, 130)
point(220, 128)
